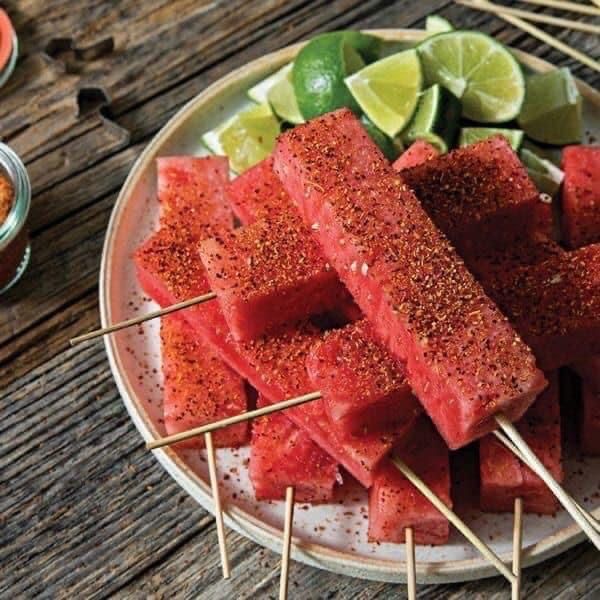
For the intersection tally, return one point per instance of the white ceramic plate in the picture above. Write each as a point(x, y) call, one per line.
point(332, 536)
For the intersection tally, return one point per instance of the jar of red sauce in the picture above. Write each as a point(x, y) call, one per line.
point(15, 200)
point(9, 47)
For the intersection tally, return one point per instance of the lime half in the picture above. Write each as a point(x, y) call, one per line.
point(388, 90)
point(246, 138)
point(552, 109)
point(478, 70)
point(436, 118)
point(470, 135)
point(546, 175)
point(435, 24)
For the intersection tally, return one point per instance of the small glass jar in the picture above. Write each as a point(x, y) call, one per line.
point(9, 66)
point(14, 238)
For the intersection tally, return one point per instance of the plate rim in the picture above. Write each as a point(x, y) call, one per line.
point(235, 517)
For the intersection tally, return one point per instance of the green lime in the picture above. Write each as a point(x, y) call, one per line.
point(321, 67)
point(246, 138)
point(258, 93)
point(388, 90)
point(435, 24)
point(546, 175)
point(551, 112)
point(436, 118)
point(478, 70)
point(470, 135)
point(390, 148)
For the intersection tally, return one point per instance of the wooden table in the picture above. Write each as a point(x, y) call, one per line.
point(85, 510)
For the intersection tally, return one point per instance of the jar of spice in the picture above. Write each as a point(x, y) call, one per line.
point(9, 47)
point(15, 200)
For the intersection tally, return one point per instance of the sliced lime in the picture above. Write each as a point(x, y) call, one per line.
point(258, 93)
point(478, 70)
point(436, 118)
point(470, 135)
point(282, 98)
point(390, 148)
point(551, 112)
point(546, 175)
point(246, 138)
point(435, 24)
point(388, 90)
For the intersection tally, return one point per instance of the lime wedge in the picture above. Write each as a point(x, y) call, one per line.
point(478, 70)
point(388, 90)
point(390, 148)
point(246, 138)
point(436, 118)
point(435, 24)
point(282, 97)
point(470, 135)
point(551, 112)
point(258, 93)
point(546, 175)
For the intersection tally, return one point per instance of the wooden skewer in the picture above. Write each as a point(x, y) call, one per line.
point(411, 571)
point(562, 4)
point(485, 550)
point(287, 542)
point(534, 463)
point(594, 522)
point(214, 486)
point(517, 544)
point(536, 32)
point(485, 6)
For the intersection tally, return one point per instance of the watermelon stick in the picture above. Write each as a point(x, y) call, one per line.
point(143, 318)
point(411, 575)
point(580, 515)
point(517, 543)
point(594, 522)
point(214, 486)
point(453, 518)
point(287, 542)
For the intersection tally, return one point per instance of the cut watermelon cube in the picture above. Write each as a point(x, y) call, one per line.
point(589, 371)
point(364, 388)
point(464, 361)
point(480, 196)
point(257, 193)
point(503, 477)
point(555, 305)
point(417, 153)
point(395, 504)
point(198, 387)
point(590, 421)
point(283, 455)
point(581, 195)
point(269, 274)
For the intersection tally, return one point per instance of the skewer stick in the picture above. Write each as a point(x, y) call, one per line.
point(564, 5)
point(214, 486)
point(536, 32)
point(287, 542)
point(594, 522)
point(411, 571)
point(245, 416)
point(143, 318)
point(454, 519)
point(517, 544)
point(485, 6)
point(534, 463)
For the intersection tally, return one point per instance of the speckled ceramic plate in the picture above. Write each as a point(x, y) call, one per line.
point(332, 536)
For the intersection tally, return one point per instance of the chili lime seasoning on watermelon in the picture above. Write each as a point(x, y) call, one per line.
point(503, 477)
point(417, 153)
point(464, 361)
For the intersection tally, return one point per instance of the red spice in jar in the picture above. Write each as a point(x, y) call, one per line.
point(7, 195)
point(12, 255)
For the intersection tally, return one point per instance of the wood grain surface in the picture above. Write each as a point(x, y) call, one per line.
point(85, 511)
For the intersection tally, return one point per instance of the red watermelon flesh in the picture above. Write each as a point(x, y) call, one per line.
point(417, 153)
point(364, 388)
point(503, 477)
point(198, 387)
point(590, 421)
point(589, 371)
point(480, 196)
point(395, 504)
point(581, 195)
point(257, 193)
point(282, 455)
point(269, 274)
point(555, 305)
point(464, 360)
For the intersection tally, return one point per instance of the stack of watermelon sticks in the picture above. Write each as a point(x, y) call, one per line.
point(402, 310)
